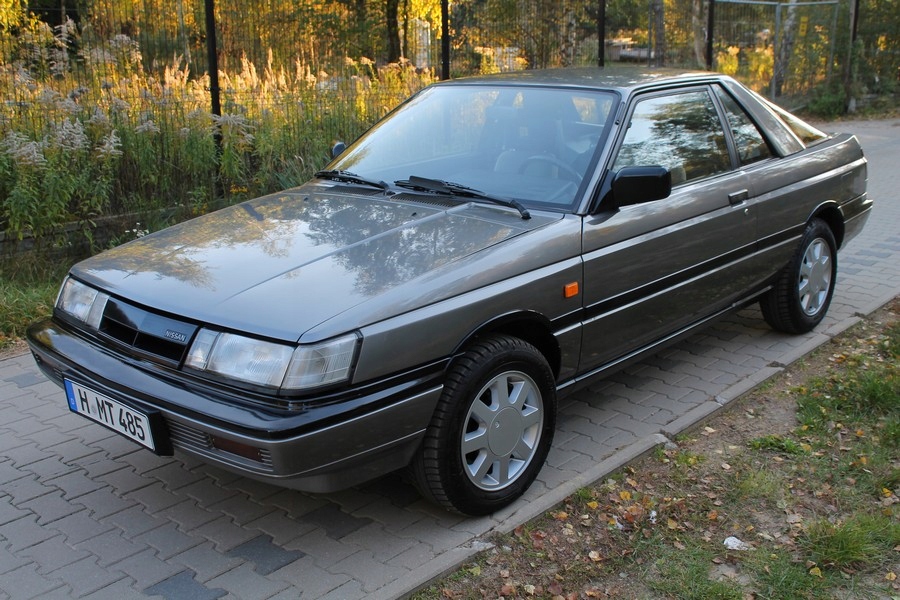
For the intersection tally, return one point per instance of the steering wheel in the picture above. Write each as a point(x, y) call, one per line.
point(564, 169)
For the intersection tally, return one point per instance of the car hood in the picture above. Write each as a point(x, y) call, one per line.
point(279, 265)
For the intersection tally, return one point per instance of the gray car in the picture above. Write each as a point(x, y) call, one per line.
point(490, 246)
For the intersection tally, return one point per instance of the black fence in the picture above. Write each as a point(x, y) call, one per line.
point(795, 44)
point(127, 106)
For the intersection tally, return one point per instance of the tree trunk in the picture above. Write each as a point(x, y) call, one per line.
point(660, 33)
point(569, 39)
point(785, 48)
point(698, 25)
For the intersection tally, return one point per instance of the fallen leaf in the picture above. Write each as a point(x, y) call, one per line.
point(816, 572)
point(726, 466)
point(508, 590)
point(504, 573)
point(625, 495)
point(595, 556)
point(891, 576)
point(593, 505)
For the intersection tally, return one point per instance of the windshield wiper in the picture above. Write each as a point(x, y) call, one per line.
point(349, 177)
point(455, 189)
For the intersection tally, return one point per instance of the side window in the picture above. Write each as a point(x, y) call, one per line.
point(751, 145)
point(680, 131)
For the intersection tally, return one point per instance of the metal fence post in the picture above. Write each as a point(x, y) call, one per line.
point(601, 34)
point(834, 23)
point(777, 52)
point(710, 30)
point(212, 56)
point(445, 39)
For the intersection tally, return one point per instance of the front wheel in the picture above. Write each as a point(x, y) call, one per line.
point(803, 290)
point(491, 430)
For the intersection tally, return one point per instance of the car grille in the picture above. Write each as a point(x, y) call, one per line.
point(145, 333)
point(439, 201)
point(189, 438)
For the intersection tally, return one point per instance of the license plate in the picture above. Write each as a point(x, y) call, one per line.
point(112, 414)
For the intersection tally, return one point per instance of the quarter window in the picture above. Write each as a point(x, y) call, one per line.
point(750, 144)
point(680, 131)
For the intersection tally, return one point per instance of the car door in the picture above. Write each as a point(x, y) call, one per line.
point(652, 269)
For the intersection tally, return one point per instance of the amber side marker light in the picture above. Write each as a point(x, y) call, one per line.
point(570, 290)
point(237, 448)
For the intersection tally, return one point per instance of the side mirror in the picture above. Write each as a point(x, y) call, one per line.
point(636, 185)
point(338, 149)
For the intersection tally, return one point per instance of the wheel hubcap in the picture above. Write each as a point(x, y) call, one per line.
point(815, 277)
point(502, 430)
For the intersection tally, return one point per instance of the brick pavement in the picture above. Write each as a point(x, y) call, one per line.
point(85, 514)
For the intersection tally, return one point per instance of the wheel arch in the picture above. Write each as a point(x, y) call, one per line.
point(528, 326)
point(830, 212)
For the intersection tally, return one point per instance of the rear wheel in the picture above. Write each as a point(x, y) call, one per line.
point(491, 430)
point(804, 288)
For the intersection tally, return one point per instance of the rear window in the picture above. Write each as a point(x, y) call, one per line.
point(803, 130)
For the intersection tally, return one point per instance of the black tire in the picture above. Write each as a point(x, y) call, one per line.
point(492, 428)
point(803, 290)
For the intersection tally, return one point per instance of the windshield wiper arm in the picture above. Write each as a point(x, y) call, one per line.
point(455, 189)
point(349, 177)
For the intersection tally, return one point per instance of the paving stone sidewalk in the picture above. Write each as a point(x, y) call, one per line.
point(85, 514)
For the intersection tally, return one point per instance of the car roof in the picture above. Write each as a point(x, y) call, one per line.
point(623, 79)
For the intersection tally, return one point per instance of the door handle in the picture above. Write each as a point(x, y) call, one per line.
point(736, 198)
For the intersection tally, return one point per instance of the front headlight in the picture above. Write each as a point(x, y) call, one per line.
point(82, 302)
point(273, 365)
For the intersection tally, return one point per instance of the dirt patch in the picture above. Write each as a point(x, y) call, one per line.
point(16, 348)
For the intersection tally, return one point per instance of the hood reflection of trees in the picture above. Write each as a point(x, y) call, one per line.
point(382, 242)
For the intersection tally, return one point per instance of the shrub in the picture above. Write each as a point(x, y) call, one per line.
point(102, 136)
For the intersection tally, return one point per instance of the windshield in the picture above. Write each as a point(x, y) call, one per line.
point(535, 145)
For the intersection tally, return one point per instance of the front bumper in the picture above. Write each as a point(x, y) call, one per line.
point(316, 449)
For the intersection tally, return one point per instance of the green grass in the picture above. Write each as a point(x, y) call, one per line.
point(856, 543)
point(777, 443)
point(777, 575)
point(684, 574)
point(758, 484)
point(26, 295)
